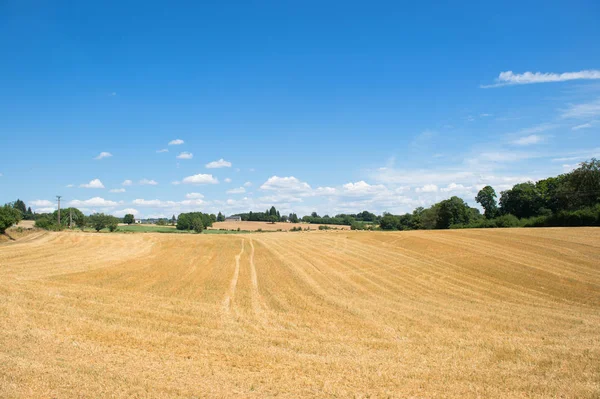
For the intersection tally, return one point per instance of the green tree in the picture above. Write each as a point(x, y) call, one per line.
point(75, 213)
point(20, 206)
point(220, 217)
point(9, 215)
point(453, 211)
point(129, 219)
point(522, 201)
point(486, 197)
point(582, 185)
point(197, 224)
point(293, 218)
point(98, 221)
point(389, 222)
point(173, 220)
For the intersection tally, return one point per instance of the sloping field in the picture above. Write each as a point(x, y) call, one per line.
point(267, 226)
point(473, 313)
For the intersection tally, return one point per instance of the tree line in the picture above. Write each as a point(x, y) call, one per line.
point(570, 199)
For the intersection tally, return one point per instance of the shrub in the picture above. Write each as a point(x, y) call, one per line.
point(8, 217)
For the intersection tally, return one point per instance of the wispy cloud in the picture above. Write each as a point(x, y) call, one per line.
point(176, 142)
point(161, 151)
point(185, 155)
point(509, 78)
point(194, 195)
point(239, 190)
point(96, 201)
point(529, 140)
point(117, 190)
point(583, 126)
point(39, 203)
point(221, 163)
point(147, 182)
point(127, 183)
point(95, 183)
point(227, 180)
point(582, 111)
point(103, 155)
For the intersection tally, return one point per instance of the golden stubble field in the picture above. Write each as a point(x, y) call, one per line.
point(267, 226)
point(474, 313)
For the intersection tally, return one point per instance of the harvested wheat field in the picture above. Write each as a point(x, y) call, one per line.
point(268, 226)
point(473, 313)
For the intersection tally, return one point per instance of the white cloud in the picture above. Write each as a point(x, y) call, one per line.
point(194, 195)
point(147, 182)
point(227, 180)
point(44, 210)
point(117, 190)
point(70, 185)
point(37, 203)
point(163, 150)
point(239, 190)
point(174, 206)
point(509, 78)
point(95, 183)
point(200, 179)
point(103, 155)
point(247, 184)
point(528, 140)
point(582, 111)
point(428, 188)
point(286, 184)
point(123, 212)
point(175, 183)
point(457, 188)
point(362, 188)
point(176, 142)
point(325, 191)
point(127, 183)
point(185, 155)
point(221, 163)
point(92, 202)
point(582, 126)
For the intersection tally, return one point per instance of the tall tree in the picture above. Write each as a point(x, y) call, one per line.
point(20, 206)
point(487, 198)
point(452, 211)
point(220, 217)
point(523, 201)
point(129, 219)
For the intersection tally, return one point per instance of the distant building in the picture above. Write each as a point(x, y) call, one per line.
point(233, 219)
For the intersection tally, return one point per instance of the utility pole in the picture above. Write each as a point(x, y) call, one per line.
point(58, 197)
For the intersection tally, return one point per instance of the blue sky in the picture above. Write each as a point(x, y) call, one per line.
point(335, 107)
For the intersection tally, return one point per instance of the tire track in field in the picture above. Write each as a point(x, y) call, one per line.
point(233, 284)
point(258, 303)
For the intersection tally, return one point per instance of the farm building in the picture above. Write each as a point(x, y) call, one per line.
point(233, 219)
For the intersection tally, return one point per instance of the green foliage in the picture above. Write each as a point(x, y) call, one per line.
point(293, 218)
point(162, 222)
point(323, 227)
point(487, 198)
point(76, 214)
point(20, 206)
point(523, 200)
point(129, 219)
point(220, 217)
point(98, 221)
point(388, 222)
point(581, 187)
point(453, 211)
point(297, 228)
point(190, 220)
point(197, 224)
point(9, 216)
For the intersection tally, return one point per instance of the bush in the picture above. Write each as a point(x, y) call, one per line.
point(323, 227)
point(112, 227)
point(47, 223)
point(8, 217)
point(197, 225)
